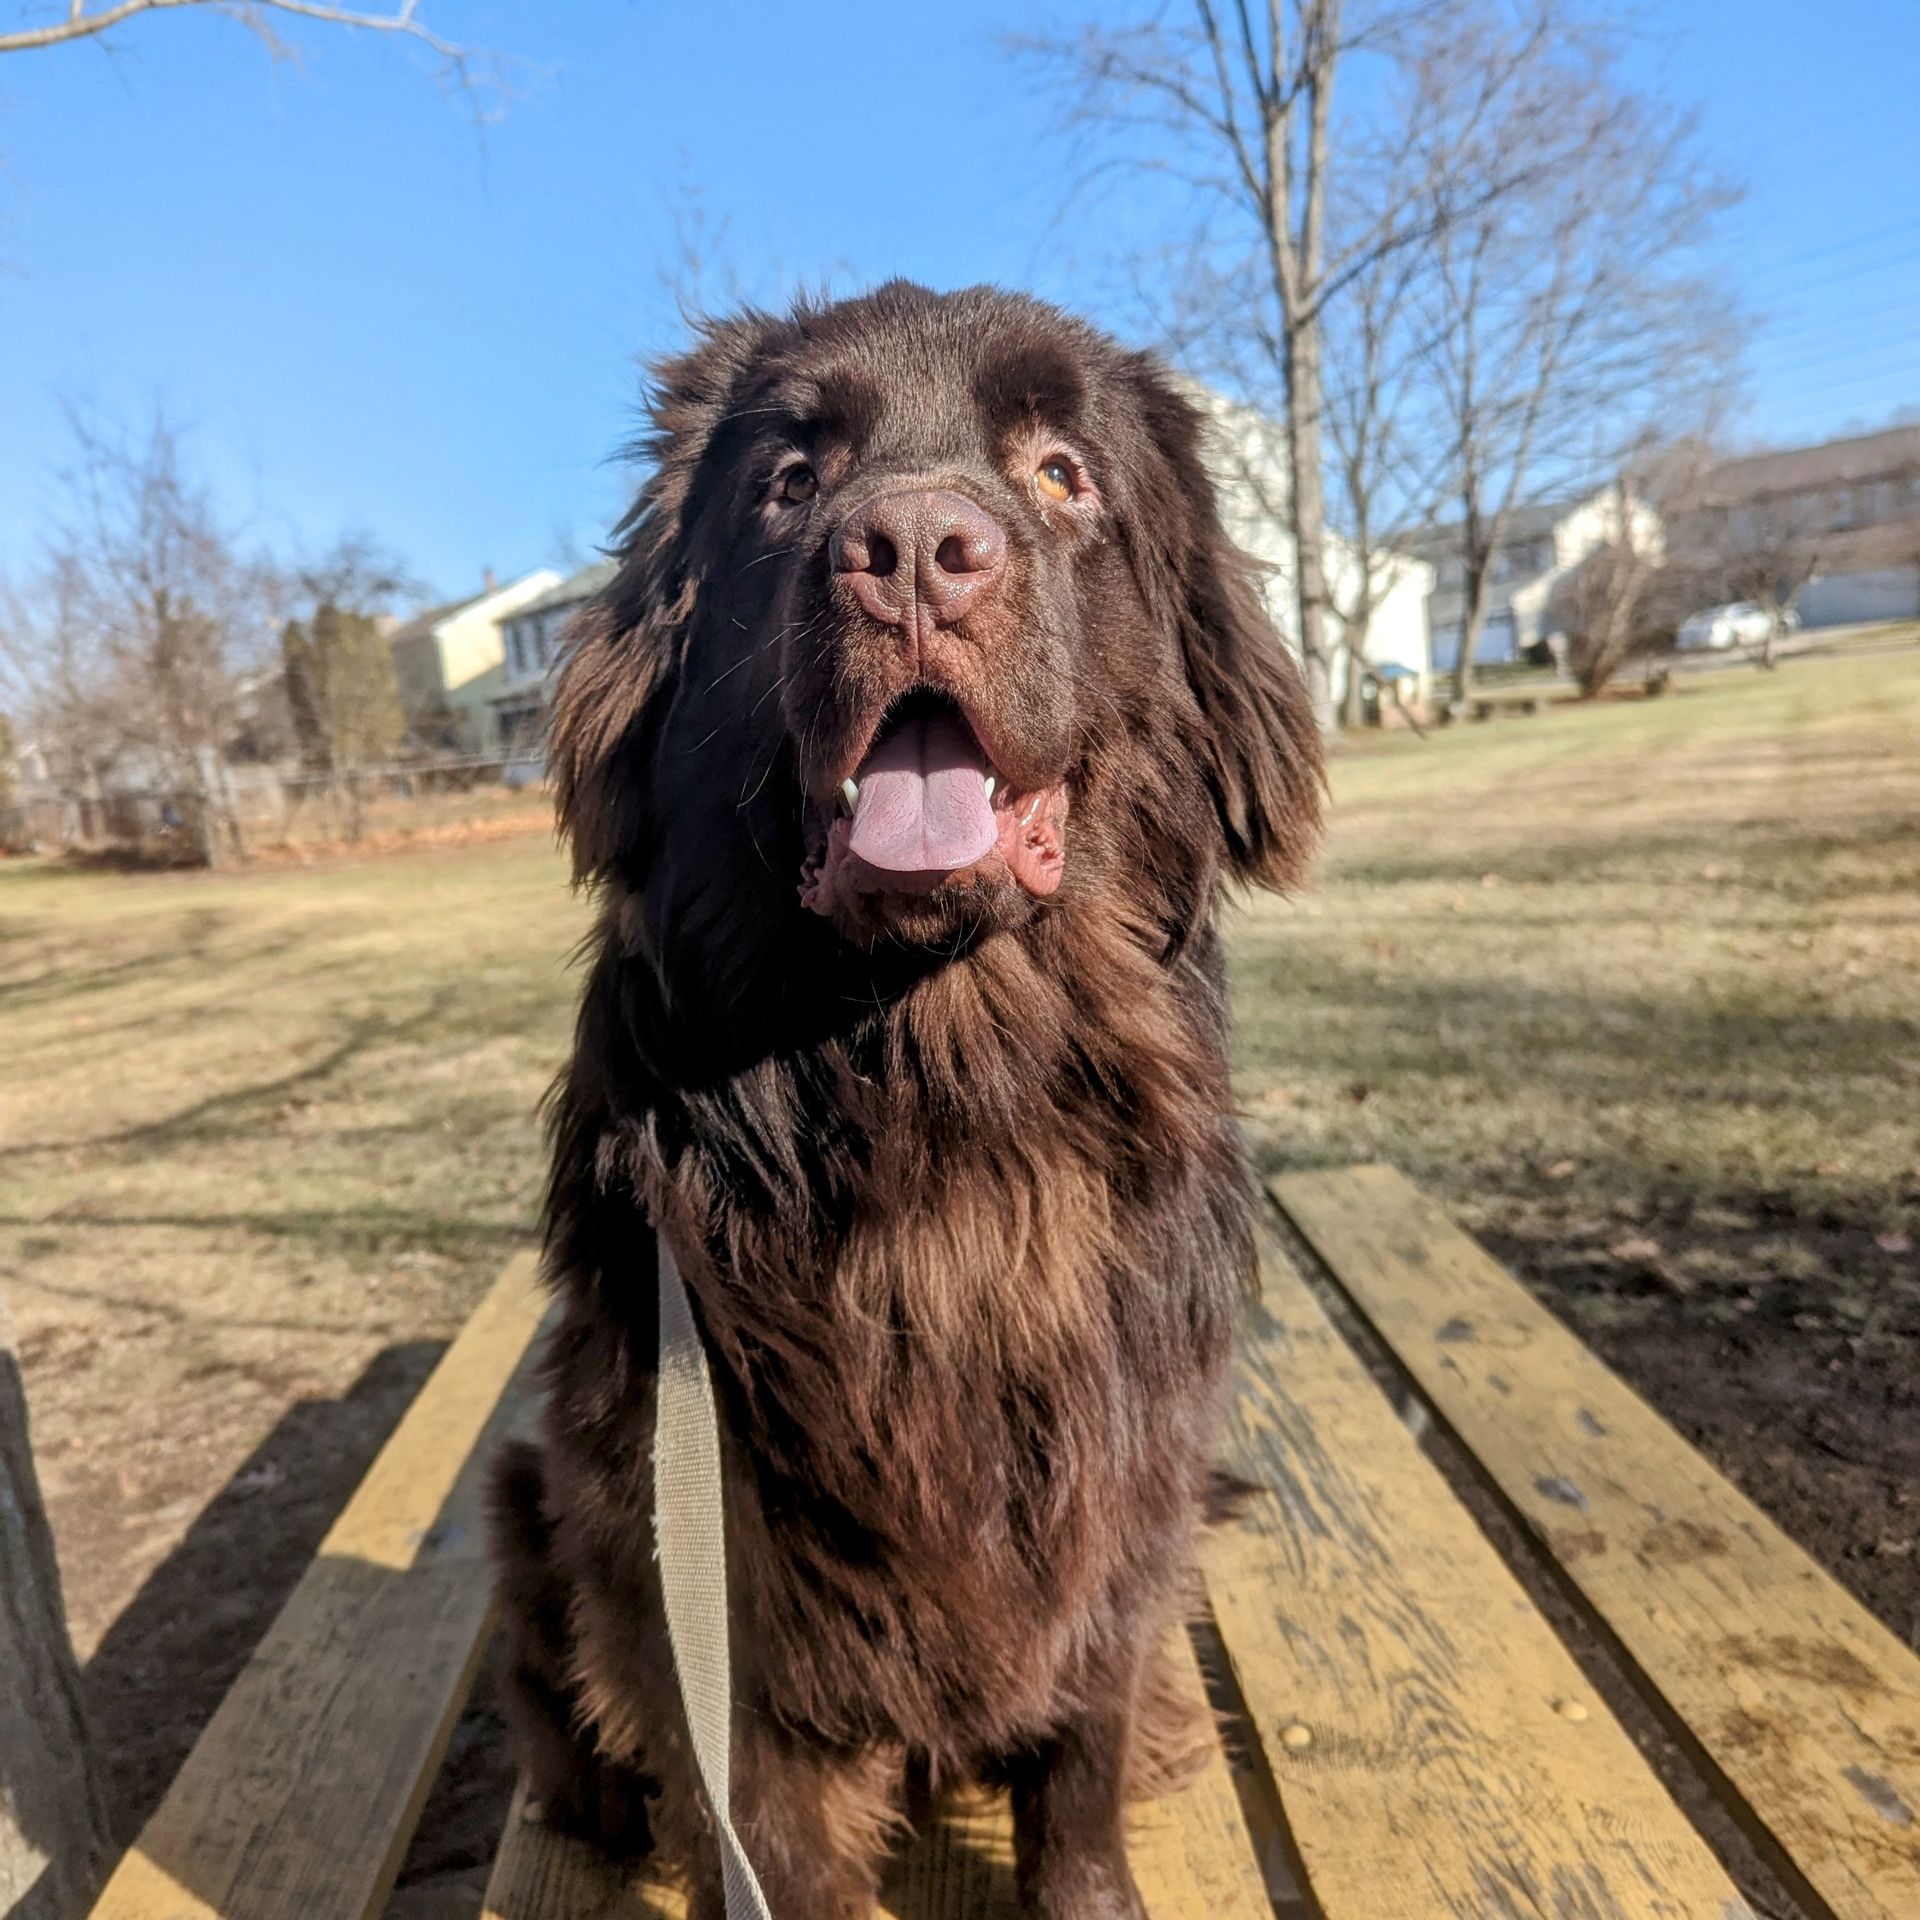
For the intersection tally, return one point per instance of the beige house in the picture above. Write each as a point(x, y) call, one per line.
point(1540, 546)
point(450, 662)
point(1851, 508)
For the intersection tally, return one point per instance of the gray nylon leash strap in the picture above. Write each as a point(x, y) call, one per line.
point(690, 1541)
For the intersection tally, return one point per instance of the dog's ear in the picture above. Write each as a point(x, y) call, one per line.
point(1259, 747)
point(626, 649)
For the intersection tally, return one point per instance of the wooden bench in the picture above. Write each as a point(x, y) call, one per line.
point(1413, 1740)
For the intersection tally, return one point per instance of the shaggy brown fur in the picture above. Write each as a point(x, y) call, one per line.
point(950, 1168)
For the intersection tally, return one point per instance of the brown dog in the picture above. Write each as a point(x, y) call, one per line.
point(910, 751)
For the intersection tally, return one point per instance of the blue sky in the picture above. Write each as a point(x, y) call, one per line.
point(365, 314)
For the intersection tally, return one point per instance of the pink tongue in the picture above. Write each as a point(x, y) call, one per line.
point(923, 805)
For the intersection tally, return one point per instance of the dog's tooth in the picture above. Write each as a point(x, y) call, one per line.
point(1033, 807)
point(989, 786)
point(850, 793)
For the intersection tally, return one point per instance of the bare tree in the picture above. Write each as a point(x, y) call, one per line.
point(144, 616)
point(1665, 556)
point(342, 694)
point(1562, 312)
point(1762, 550)
point(1306, 285)
point(1603, 604)
point(1239, 106)
point(1388, 468)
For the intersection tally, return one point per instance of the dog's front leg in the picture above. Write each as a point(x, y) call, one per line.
point(1068, 1822)
point(815, 1822)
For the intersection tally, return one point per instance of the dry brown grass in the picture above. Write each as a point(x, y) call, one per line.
point(1615, 958)
point(256, 1130)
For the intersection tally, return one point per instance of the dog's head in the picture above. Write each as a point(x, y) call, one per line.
point(925, 625)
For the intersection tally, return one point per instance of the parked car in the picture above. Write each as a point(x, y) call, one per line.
point(1740, 623)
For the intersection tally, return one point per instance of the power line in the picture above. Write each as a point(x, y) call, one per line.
point(1839, 356)
point(1888, 374)
point(1893, 232)
point(1852, 273)
point(1904, 307)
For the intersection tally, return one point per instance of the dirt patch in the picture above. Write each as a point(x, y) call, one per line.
point(1788, 1352)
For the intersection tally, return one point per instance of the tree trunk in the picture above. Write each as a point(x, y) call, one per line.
point(1477, 563)
point(1353, 707)
point(206, 806)
point(54, 1844)
point(1296, 277)
point(1472, 618)
point(1310, 525)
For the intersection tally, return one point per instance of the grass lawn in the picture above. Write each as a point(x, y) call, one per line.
point(1632, 987)
point(1675, 943)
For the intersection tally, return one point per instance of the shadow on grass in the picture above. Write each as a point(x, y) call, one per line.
point(229, 1111)
point(168, 1660)
point(1771, 859)
point(360, 1231)
point(1378, 1027)
point(193, 949)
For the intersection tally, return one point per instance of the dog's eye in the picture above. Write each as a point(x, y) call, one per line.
point(1054, 478)
point(797, 484)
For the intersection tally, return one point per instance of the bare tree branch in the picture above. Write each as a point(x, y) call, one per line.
point(477, 75)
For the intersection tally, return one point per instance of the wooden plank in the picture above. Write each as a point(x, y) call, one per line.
point(539, 1874)
point(299, 1799)
point(960, 1867)
point(1805, 1707)
point(1191, 1856)
point(1439, 1755)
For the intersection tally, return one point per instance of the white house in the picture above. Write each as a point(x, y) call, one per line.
point(1539, 545)
point(450, 662)
point(532, 639)
point(1249, 466)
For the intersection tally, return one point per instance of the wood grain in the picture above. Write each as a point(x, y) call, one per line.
point(542, 1875)
point(1190, 1854)
point(1805, 1707)
point(299, 1799)
point(1439, 1755)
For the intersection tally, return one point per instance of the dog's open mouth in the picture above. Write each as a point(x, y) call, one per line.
point(927, 809)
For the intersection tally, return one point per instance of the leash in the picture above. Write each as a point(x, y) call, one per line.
point(690, 1542)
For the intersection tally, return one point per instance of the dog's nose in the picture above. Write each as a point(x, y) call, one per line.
point(928, 546)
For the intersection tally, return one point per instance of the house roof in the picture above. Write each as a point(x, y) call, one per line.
point(571, 591)
point(1523, 523)
point(1867, 549)
point(423, 624)
point(1866, 456)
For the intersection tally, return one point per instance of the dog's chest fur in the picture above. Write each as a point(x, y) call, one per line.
point(967, 1361)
